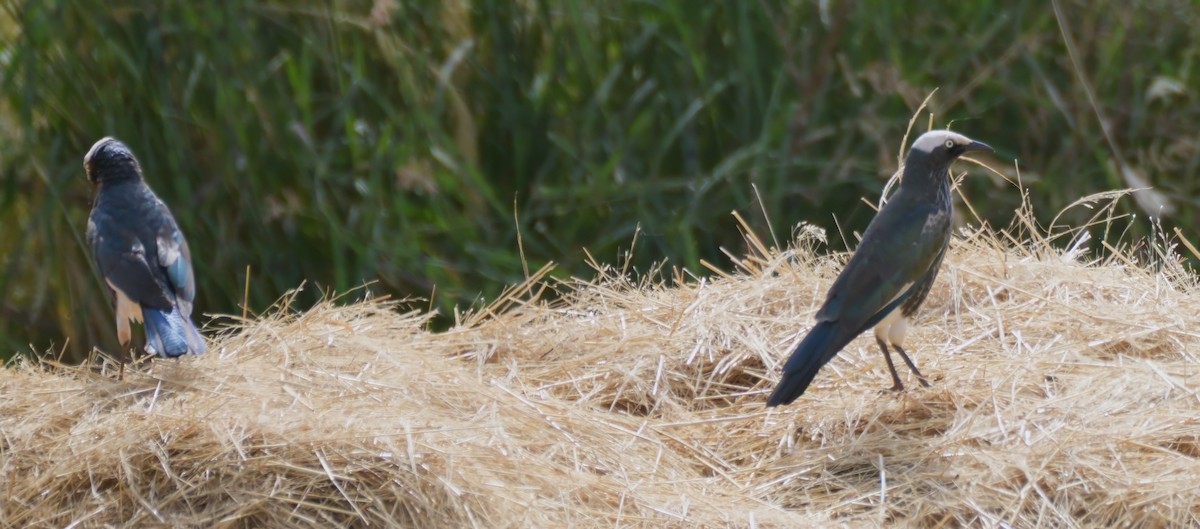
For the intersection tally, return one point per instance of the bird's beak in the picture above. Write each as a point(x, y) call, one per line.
point(978, 146)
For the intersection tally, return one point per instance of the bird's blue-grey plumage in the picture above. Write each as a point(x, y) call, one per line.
point(142, 256)
point(894, 267)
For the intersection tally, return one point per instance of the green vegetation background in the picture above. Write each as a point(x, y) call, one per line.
point(407, 143)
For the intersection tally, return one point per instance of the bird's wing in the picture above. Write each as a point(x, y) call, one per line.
point(175, 259)
point(124, 264)
point(93, 239)
point(898, 250)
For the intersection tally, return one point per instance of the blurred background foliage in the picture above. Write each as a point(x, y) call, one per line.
point(407, 143)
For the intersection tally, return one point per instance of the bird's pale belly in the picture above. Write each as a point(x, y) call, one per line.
point(127, 310)
point(893, 328)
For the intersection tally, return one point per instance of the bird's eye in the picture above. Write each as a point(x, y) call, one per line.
point(949, 144)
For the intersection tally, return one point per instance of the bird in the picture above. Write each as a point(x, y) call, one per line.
point(891, 272)
point(141, 253)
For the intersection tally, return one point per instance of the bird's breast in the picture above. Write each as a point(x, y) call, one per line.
point(936, 223)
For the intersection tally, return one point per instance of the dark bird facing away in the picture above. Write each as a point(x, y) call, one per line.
point(141, 253)
point(893, 268)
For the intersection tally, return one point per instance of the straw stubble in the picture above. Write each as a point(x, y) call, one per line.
point(1063, 395)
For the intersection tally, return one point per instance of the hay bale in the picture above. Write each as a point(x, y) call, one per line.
point(1063, 396)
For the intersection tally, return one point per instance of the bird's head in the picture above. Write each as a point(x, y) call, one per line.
point(109, 160)
point(939, 148)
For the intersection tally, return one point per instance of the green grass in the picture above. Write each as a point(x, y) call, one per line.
point(347, 142)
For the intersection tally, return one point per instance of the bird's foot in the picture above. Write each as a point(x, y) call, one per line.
point(898, 387)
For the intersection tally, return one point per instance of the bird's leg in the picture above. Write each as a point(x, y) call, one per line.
point(125, 357)
point(911, 365)
point(887, 355)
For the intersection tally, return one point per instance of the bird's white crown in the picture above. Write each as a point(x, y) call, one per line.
point(95, 147)
point(936, 138)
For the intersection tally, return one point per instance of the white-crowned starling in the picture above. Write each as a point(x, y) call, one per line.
point(889, 275)
point(141, 253)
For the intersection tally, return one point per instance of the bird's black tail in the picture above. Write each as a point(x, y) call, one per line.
point(171, 334)
point(822, 342)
